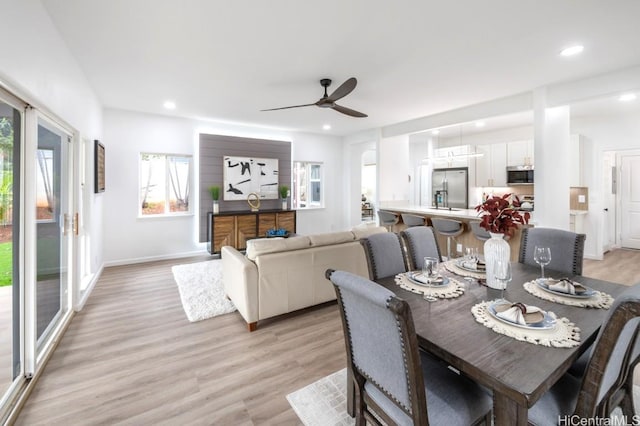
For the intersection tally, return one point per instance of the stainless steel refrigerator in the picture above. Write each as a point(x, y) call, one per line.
point(450, 188)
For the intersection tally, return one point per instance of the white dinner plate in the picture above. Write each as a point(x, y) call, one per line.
point(411, 275)
point(586, 295)
point(546, 324)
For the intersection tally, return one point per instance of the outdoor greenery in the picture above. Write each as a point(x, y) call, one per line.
point(5, 264)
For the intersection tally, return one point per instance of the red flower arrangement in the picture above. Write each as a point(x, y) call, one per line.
point(500, 216)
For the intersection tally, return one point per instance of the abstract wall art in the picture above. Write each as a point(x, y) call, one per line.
point(244, 175)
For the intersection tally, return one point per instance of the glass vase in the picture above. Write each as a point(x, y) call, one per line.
point(495, 248)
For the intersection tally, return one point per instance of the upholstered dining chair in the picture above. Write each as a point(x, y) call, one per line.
point(394, 379)
point(388, 219)
point(384, 253)
point(567, 248)
point(606, 372)
point(420, 242)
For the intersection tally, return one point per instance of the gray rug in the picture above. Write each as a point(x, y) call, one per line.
point(201, 289)
point(324, 402)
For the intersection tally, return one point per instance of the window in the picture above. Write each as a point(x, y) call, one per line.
point(308, 186)
point(165, 182)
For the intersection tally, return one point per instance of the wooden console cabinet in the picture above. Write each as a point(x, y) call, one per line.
point(235, 228)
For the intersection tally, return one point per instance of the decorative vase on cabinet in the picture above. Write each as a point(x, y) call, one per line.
point(495, 248)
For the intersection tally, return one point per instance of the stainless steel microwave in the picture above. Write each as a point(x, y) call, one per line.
point(520, 175)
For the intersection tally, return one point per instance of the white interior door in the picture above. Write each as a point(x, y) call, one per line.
point(630, 201)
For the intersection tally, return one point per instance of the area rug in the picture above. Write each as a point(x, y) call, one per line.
point(201, 289)
point(325, 402)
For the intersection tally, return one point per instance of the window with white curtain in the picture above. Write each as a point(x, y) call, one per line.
point(165, 183)
point(308, 185)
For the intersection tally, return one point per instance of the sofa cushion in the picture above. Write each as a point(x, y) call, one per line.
point(318, 240)
point(261, 246)
point(363, 231)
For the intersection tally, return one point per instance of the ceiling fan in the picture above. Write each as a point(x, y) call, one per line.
point(329, 101)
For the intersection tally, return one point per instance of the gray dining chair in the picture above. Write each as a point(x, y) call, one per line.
point(384, 253)
point(420, 242)
point(606, 372)
point(394, 380)
point(388, 219)
point(567, 248)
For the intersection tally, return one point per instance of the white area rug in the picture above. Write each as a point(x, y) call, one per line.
point(323, 402)
point(201, 289)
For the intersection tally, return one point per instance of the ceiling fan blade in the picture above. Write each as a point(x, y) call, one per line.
point(287, 107)
point(342, 91)
point(348, 111)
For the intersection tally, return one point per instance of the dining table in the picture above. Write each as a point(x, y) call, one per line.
point(517, 372)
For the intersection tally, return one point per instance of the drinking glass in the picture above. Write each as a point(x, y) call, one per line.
point(430, 267)
point(502, 272)
point(542, 256)
point(471, 254)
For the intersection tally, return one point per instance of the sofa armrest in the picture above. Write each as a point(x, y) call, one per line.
point(240, 276)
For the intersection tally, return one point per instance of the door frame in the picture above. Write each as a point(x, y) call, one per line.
point(619, 212)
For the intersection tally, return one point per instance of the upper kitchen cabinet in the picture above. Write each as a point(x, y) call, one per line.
point(520, 153)
point(491, 165)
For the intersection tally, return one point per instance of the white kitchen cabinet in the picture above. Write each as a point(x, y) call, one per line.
point(520, 153)
point(452, 156)
point(491, 167)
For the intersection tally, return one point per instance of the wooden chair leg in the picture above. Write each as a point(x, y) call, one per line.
point(252, 326)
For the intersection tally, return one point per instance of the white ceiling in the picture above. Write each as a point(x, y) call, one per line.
point(226, 60)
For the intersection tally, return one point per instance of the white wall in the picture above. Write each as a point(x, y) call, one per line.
point(394, 169)
point(37, 66)
point(604, 133)
point(131, 239)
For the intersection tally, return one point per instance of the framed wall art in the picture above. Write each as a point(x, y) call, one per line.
point(98, 154)
point(246, 175)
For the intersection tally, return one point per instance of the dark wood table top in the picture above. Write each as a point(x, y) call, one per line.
point(517, 372)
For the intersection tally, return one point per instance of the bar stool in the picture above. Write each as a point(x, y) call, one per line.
point(449, 228)
point(479, 232)
point(412, 220)
point(388, 219)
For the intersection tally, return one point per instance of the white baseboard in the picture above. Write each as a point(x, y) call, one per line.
point(155, 258)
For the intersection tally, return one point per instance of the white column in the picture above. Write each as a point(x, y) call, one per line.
point(552, 156)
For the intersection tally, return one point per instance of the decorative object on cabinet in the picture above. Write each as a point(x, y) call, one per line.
point(254, 201)
point(236, 228)
point(501, 219)
point(284, 193)
point(245, 175)
point(215, 195)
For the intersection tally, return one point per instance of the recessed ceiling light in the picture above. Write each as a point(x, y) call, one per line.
point(627, 97)
point(326, 127)
point(169, 105)
point(572, 50)
point(479, 123)
point(435, 132)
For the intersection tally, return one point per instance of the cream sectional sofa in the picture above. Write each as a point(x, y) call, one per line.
point(277, 276)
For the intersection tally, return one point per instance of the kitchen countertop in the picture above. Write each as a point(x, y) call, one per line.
point(465, 214)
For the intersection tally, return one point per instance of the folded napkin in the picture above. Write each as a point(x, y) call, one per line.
point(519, 313)
point(565, 285)
point(475, 265)
point(421, 278)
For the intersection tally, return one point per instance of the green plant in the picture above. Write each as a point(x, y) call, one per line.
point(215, 192)
point(284, 191)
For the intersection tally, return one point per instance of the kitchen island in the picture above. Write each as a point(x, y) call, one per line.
point(466, 239)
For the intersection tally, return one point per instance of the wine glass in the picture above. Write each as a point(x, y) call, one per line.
point(542, 256)
point(502, 273)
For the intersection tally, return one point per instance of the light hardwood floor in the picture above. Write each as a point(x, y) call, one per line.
point(131, 356)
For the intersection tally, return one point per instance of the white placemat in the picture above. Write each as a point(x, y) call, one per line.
point(452, 289)
point(452, 266)
point(598, 300)
point(564, 335)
